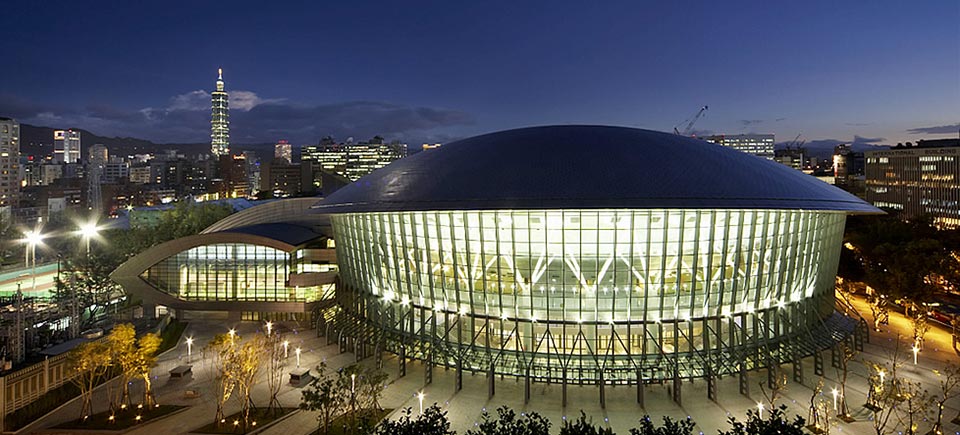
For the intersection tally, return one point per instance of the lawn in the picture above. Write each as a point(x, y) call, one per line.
point(122, 420)
point(260, 417)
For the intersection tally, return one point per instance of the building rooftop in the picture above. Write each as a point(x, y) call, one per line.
point(294, 235)
point(555, 167)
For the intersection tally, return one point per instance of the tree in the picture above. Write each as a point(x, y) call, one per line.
point(583, 426)
point(507, 423)
point(90, 362)
point(914, 406)
point(224, 349)
point(370, 388)
point(887, 396)
point(275, 363)
point(324, 396)
point(432, 421)
point(949, 379)
point(145, 360)
point(246, 366)
point(847, 353)
point(84, 283)
point(775, 424)
point(123, 342)
point(918, 321)
point(670, 427)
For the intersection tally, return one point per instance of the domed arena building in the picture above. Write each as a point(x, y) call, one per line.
point(589, 255)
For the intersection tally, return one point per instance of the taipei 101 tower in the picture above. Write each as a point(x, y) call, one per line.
point(219, 119)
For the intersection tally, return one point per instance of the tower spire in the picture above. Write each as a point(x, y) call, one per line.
point(219, 73)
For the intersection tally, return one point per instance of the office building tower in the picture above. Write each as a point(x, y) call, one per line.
point(760, 145)
point(921, 180)
point(284, 151)
point(219, 119)
point(353, 160)
point(9, 162)
point(66, 146)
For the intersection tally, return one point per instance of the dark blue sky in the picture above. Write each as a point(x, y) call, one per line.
point(441, 70)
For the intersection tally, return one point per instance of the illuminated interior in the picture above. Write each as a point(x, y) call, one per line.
point(571, 294)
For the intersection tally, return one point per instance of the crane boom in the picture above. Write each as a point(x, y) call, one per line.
point(690, 121)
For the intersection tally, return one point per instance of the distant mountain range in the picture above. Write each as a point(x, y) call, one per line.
point(36, 140)
point(824, 148)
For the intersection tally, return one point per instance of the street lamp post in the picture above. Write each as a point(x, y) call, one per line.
point(916, 350)
point(269, 327)
point(286, 345)
point(835, 393)
point(760, 410)
point(420, 399)
point(297, 351)
point(189, 347)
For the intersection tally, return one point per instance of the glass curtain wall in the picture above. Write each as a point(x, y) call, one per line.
point(228, 272)
point(546, 284)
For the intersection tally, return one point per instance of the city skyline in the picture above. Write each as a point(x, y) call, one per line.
point(828, 72)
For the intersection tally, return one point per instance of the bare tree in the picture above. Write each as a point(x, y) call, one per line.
point(777, 387)
point(224, 348)
point(815, 415)
point(949, 379)
point(847, 353)
point(914, 406)
point(888, 396)
point(248, 363)
point(275, 362)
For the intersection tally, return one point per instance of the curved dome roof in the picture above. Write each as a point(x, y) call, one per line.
point(556, 167)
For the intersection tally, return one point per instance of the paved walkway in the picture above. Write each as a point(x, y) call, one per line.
point(465, 407)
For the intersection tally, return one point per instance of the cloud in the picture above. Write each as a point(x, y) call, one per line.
point(858, 124)
point(749, 122)
point(940, 129)
point(185, 118)
point(779, 119)
point(860, 140)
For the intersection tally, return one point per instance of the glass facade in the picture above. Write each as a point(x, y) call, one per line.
point(228, 272)
point(584, 295)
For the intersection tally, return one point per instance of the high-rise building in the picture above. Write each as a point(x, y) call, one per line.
point(66, 146)
point(353, 160)
point(283, 150)
point(219, 119)
point(9, 162)
point(760, 145)
point(917, 180)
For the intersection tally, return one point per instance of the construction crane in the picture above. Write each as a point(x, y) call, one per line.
point(689, 121)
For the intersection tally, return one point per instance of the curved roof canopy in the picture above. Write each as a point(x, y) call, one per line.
point(555, 167)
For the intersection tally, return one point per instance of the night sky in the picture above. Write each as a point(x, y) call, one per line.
point(870, 71)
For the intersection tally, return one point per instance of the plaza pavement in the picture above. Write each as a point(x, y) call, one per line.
point(465, 407)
